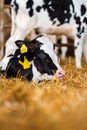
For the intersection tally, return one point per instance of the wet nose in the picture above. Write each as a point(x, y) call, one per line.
point(60, 73)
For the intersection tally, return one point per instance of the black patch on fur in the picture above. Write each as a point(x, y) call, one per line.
point(75, 47)
point(78, 35)
point(38, 8)
point(77, 43)
point(82, 30)
point(54, 22)
point(78, 21)
point(56, 8)
point(83, 10)
point(14, 68)
point(44, 63)
point(29, 5)
point(16, 6)
point(85, 20)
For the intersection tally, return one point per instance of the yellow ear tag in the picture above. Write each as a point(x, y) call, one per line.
point(25, 64)
point(23, 49)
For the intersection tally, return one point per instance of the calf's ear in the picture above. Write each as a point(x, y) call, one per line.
point(34, 45)
point(19, 43)
point(22, 45)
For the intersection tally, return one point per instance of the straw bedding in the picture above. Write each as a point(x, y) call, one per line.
point(48, 105)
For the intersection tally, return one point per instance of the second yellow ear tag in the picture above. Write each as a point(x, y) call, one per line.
point(25, 64)
point(23, 49)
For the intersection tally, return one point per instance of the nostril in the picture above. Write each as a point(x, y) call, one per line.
point(60, 74)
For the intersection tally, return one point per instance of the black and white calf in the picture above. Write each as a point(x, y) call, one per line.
point(34, 61)
point(60, 17)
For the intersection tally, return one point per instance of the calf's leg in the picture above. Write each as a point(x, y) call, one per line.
point(78, 46)
point(85, 49)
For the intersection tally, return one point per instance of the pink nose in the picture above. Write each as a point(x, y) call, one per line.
point(60, 74)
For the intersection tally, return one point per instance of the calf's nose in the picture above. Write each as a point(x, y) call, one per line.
point(60, 73)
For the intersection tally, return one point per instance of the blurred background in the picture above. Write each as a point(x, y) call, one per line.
point(48, 105)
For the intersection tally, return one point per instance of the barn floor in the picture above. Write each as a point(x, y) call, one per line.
point(48, 105)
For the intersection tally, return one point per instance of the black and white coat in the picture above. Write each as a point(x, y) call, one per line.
point(60, 17)
point(34, 61)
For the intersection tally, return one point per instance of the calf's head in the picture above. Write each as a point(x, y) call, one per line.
point(35, 60)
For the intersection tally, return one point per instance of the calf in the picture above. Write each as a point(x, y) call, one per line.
point(60, 17)
point(34, 60)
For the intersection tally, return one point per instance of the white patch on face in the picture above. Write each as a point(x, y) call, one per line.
point(37, 76)
point(48, 49)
